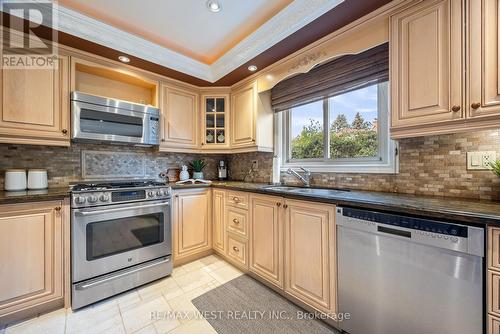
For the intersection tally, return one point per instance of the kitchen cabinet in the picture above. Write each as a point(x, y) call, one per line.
point(251, 119)
point(192, 224)
point(493, 280)
point(310, 253)
point(493, 325)
point(180, 118)
point(426, 64)
point(444, 70)
point(237, 251)
point(32, 258)
point(34, 105)
point(215, 118)
point(219, 221)
point(266, 238)
point(483, 49)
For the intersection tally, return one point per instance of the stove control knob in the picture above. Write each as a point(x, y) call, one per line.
point(80, 200)
point(151, 194)
point(104, 198)
point(92, 199)
point(159, 193)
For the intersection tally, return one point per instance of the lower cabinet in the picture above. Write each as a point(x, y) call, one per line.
point(266, 238)
point(310, 257)
point(493, 325)
point(32, 265)
point(192, 224)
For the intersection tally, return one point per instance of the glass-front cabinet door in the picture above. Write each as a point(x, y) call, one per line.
point(215, 118)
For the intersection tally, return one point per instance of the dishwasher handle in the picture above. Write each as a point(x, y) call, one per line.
point(401, 233)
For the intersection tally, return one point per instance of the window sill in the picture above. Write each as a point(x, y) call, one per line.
point(344, 168)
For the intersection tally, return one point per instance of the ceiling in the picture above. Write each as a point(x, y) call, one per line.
point(185, 26)
point(297, 24)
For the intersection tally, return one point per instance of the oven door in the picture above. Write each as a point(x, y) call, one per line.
point(113, 237)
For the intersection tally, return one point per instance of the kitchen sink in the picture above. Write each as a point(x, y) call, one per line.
point(310, 191)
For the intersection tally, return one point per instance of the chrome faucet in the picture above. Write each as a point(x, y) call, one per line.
point(306, 179)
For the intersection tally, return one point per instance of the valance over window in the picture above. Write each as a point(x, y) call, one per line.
point(332, 78)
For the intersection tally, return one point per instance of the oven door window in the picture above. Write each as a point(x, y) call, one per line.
point(110, 237)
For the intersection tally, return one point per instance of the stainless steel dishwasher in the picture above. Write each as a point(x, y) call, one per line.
point(400, 274)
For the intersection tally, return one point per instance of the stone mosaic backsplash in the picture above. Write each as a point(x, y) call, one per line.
point(97, 162)
point(433, 165)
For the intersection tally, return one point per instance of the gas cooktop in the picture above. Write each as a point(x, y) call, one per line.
point(91, 186)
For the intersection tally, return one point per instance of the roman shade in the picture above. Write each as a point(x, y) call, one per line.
point(332, 78)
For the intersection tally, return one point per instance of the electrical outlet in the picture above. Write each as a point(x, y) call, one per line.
point(255, 165)
point(480, 160)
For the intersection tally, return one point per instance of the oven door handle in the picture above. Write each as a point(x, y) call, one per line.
point(112, 277)
point(99, 212)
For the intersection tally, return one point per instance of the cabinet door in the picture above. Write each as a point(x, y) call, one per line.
point(180, 118)
point(219, 224)
point(31, 257)
point(426, 64)
point(215, 118)
point(34, 105)
point(192, 223)
point(243, 109)
point(483, 52)
point(266, 238)
point(310, 253)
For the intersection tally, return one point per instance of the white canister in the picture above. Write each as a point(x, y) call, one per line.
point(15, 179)
point(37, 179)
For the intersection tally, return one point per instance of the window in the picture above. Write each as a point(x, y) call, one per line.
point(356, 138)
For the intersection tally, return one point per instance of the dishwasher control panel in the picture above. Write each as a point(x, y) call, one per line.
point(425, 231)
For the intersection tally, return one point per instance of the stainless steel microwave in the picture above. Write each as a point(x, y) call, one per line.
point(97, 118)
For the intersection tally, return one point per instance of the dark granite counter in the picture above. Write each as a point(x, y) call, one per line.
point(9, 197)
point(462, 210)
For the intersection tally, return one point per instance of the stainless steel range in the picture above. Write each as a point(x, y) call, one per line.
point(121, 237)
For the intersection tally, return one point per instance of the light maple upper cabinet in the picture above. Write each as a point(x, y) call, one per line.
point(215, 119)
point(266, 238)
point(310, 254)
point(31, 257)
point(180, 118)
point(219, 225)
point(34, 105)
point(483, 52)
point(426, 64)
point(251, 119)
point(192, 222)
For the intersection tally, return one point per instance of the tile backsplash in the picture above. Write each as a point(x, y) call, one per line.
point(433, 165)
point(97, 162)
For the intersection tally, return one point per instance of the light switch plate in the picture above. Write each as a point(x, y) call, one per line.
point(480, 160)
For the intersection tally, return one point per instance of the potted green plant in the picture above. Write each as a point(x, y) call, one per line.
point(197, 167)
point(496, 167)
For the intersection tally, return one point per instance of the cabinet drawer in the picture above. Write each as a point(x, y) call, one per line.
point(237, 199)
point(493, 325)
point(237, 250)
point(494, 293)
point(494, 248)
point(237, 221)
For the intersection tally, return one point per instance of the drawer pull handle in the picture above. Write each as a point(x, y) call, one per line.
point(57, 208)
point(475, 105)
point(64, 131)
point(236, 249)
point(236, 221)
point(236, 199)
point(278, 204)
point(285, 206)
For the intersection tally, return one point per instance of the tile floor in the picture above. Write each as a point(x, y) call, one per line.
point(131, 312)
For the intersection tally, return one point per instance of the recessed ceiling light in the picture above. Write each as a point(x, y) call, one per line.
point(252, 68)
point(124, 59)
point(214, 6)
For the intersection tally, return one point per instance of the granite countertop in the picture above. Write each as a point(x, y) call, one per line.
point(8, 197)
point(457, 209)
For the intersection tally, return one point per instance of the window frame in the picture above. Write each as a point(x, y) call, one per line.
point(386, 161)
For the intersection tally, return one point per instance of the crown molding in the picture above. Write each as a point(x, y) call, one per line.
point(292, 18)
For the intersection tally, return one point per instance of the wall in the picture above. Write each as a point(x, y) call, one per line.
point(86, 161)
point(434, 165)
